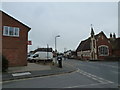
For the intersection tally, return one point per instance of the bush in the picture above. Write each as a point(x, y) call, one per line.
point(4, 64)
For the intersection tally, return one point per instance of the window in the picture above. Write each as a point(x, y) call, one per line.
point(36, 55)
point(5, 30)
point(103, 50)
point(17, 31)
point(11, 31)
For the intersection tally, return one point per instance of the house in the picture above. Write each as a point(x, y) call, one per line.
point(70, 54)
point(115, 42)
point(67, 53)
point(96, 47)
point(14, 40)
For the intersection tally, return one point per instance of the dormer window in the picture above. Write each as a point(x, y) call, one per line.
point(11, 31)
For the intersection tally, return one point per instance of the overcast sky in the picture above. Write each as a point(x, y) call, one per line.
point(70, 20)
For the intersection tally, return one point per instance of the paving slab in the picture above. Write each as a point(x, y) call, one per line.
point(35, 72)
point(29, 67)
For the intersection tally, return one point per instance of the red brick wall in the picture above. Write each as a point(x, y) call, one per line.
point(116, 52)
point(102, 40)
point(15, 48)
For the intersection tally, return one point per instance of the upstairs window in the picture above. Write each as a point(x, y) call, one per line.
point(103, 50)
point(11, 31)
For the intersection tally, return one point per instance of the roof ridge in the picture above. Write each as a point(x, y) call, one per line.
point(15, 19)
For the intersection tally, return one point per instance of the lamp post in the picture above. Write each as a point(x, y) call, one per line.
point(55, 42)
point(55, 60)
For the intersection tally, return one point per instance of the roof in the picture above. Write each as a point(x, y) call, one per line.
point(15, 19)
point(43, 49)
point(85, 45)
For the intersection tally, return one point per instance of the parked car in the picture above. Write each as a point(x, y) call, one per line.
point(41, 56)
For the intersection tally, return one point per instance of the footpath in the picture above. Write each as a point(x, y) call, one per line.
point(35, 70)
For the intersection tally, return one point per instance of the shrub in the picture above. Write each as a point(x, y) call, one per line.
point(4, 64)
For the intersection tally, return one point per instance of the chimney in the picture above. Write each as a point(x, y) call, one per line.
point(110, 35)
point(114, 36)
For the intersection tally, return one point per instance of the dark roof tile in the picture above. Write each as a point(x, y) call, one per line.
point(85, 45)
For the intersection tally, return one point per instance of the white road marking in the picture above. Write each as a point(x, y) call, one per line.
point(87, 85)
point(22, 79)
point(91, 66)
point(21, 74)
point(90, 75)
point(99, 79)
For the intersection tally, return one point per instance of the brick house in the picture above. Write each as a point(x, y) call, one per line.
point(14, 40)
point(96, 47)
point(115, 45)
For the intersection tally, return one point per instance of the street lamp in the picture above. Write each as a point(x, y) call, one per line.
point(56, 41)
point(55, 60)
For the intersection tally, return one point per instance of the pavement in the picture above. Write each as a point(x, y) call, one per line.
point(35, 70)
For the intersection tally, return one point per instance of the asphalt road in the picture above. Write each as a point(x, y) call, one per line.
point(89, 74)
point(104, 69)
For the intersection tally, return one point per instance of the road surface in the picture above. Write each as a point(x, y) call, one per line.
point(88, 74)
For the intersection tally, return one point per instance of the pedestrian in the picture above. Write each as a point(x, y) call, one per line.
point(59, 58)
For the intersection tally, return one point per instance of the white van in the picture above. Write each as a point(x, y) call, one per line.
point(41, 55)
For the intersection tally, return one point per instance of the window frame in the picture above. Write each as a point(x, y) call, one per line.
point(105, 47)
point(14, 29)
point(18, 29)
point(4, 30)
